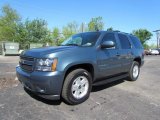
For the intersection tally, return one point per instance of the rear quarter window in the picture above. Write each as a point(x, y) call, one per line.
point(124, 41)
point(136, 42)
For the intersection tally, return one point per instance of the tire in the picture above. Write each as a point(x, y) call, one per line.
point(133, 73)
point(77, 86)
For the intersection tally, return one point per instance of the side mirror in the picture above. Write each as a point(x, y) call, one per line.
point(107, 44)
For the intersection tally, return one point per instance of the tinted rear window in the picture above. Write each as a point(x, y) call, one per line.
point(124, 41)
point(136, 42)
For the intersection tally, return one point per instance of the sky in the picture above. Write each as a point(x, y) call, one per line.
point(123, 15)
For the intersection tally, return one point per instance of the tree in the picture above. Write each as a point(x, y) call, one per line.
point(152, 46)
point(32, 31)
point(56, 35)
point(96, 24)
point(145, 46)
point(8, 22)
point(22, 36)
point(70, 29)
point(37, 31)
point(143, 34)
point(110, 29)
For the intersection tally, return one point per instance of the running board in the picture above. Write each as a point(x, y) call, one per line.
point(105, 81)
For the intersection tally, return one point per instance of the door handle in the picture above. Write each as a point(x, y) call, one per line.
point(118, 54)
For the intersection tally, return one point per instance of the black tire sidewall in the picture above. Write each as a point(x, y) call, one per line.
point(70, 95)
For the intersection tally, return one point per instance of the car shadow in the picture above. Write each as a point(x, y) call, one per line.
point(46, 101)
point(10, 55)
point(108, 85)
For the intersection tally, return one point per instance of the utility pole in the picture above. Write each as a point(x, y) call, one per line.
point(158, 35)
point(82, 27)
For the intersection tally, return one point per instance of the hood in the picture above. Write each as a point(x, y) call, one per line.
point(38, 52)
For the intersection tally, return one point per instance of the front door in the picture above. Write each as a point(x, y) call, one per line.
point(108, 60)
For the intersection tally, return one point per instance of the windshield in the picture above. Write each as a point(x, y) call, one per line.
point(83, 39)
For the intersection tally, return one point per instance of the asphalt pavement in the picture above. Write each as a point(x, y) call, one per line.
point(121, 100)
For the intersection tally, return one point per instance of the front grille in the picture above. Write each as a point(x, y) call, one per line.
point(26, 67)
point(26, 63)
point(27, 58)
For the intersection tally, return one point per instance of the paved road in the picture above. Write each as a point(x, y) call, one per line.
point(122, 100)
point(7, 71)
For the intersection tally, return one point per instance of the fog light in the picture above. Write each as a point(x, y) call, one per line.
point(40, 90)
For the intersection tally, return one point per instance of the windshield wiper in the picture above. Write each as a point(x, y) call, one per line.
point(72, 45)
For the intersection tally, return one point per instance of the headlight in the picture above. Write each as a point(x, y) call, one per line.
point(46, 64)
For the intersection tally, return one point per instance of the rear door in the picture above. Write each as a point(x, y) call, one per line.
point(108, 59)
point(126, 54)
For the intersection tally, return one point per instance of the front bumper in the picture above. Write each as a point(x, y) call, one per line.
point(44, 84)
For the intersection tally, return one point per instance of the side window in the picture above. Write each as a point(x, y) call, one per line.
point(136, 42)
point(109, 37)
point(124, 41)
point(89, 39)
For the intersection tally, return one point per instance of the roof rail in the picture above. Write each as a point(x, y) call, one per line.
point(116, 31)
point(123, 32)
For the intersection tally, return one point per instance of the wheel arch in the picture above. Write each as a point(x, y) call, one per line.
point(138, 59)
point(87, 66)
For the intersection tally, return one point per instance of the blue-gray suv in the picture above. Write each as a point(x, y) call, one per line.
point(83, 60)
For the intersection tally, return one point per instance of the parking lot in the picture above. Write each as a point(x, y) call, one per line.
point(122, 100)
